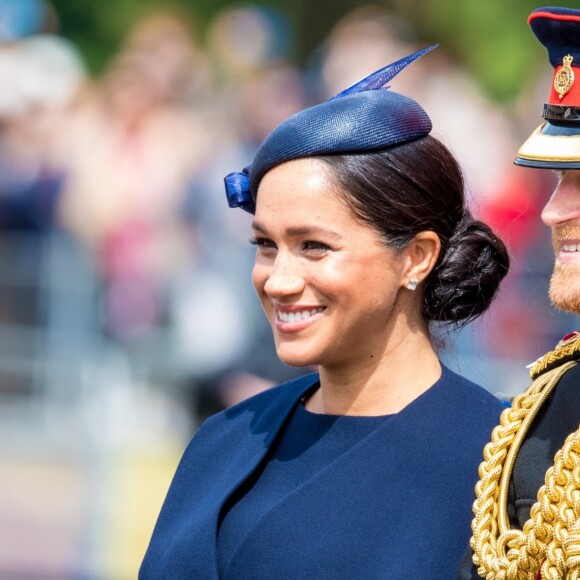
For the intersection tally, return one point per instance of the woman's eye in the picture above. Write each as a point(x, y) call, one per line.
point(310, 246)
point(315, 246)
point(262, 243)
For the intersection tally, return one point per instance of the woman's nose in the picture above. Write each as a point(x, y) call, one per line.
point(284, 278)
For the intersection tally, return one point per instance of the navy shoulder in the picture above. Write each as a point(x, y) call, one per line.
point(279, 397)
point(258, 418)
point(472, 395)
point(284, 393)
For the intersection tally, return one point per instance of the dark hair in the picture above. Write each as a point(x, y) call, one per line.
point(419, 186)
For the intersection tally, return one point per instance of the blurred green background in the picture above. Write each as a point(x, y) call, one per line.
point(489, 38)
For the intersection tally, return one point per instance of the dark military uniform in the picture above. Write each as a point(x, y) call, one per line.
point(558, 417)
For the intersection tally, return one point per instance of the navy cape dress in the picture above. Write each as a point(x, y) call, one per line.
point(395, 505)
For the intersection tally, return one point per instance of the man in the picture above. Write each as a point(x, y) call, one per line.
point(527, 511)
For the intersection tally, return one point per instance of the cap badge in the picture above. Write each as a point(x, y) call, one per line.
point(564, 78)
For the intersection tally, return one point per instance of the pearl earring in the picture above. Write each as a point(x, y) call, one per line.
point(412, 283)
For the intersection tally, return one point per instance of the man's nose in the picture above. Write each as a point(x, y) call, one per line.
point(564, 205)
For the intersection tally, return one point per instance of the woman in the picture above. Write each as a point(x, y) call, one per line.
point(366, 469)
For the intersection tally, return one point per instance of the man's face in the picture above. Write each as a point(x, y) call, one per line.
point(562, 214)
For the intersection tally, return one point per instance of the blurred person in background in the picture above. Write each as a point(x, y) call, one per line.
point(130, 154)
point(41, 75)
point(363, 241)
point(527, 511)
point(256, 88)
point(359, 41)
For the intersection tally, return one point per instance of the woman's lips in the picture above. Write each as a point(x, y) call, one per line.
point(297, 318)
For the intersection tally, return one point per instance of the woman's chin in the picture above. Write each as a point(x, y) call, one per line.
point(296, 359)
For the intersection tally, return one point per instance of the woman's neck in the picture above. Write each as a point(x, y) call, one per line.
point(379, 387)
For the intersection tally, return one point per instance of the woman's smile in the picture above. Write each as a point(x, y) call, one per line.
point(296, 319)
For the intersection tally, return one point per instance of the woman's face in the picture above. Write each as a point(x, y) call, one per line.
point(328, 283)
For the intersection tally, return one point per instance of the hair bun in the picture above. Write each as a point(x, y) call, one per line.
point(467, 276)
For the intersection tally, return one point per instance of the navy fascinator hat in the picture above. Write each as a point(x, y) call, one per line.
point(364, 117)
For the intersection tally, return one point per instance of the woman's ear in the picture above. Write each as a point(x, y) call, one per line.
point(420, 256)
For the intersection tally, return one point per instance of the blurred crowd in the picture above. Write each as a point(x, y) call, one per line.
point(125, 171)
point(116, 243)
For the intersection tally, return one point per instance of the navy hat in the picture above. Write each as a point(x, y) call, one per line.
point(556, 143)
point(364, 117)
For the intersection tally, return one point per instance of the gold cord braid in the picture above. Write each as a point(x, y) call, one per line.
point(566, 350)
point(550, 540)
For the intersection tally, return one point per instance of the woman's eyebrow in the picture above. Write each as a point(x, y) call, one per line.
point(300, 231)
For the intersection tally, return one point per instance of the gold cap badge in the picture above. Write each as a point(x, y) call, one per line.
point(564, 78)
